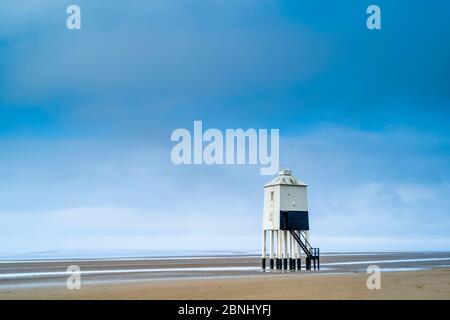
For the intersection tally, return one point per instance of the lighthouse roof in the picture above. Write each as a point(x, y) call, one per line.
point(285, 177)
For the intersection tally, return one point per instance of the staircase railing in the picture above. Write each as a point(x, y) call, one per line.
point(306, 246)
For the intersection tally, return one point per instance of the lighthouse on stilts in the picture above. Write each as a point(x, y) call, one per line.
point(286, 225)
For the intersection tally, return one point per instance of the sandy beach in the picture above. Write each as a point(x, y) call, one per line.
point(431, 284)
point(404, 275)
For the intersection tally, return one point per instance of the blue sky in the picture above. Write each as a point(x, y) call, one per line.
point(86, 118)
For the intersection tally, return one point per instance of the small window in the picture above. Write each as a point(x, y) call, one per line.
point(271, 196)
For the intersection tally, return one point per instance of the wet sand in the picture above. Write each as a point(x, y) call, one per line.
point(431, 284)
point(342, 276)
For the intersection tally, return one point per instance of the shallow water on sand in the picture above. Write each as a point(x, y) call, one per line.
point(54, 272)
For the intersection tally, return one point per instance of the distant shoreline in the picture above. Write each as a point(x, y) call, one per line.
point(111, 256)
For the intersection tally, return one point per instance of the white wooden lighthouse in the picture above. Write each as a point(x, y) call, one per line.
point(286, 221)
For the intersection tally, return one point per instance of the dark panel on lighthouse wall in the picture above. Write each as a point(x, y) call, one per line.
point(294, 220)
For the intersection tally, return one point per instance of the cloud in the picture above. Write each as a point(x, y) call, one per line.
point(362, 184)
point(103, 194)
point(390, 209)
point(115, 228)
point(85, 121)
point(178, 56)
